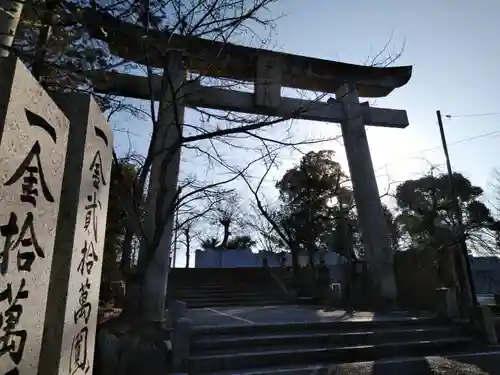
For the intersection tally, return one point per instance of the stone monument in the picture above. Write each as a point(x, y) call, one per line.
point(73, 299)
point(33, 137)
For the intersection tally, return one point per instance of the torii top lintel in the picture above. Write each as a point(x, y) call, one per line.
point(226, 60)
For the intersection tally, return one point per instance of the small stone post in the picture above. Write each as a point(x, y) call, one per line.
point(180, 343)
point(176, 311)
point(484, 321)
point(447, 303)
point(73, 300)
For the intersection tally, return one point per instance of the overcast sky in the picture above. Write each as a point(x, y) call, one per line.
point(454, 49)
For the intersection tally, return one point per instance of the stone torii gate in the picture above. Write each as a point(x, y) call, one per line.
point(269, 71)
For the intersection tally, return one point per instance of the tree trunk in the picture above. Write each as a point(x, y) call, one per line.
point(188, 246)
point(126, 252)
point(38, 67)
point(10, 15)
point(225, 224)
point(162, 192)
point(310, 256)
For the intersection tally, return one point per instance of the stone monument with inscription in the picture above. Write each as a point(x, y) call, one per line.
point(73, 299)
point(33, 137)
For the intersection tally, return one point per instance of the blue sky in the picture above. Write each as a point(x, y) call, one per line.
point(455, 53)
point(454, 49)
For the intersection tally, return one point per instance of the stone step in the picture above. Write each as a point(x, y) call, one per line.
point(217, 293)
point(318, 326)
point(224, 294)
point(222, 291)
point(234, 302)
point(203, 286)
point(216, 289)
point(320, 339)
point(487, 361)
point(304, 356)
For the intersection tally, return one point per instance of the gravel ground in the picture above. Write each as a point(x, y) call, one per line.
point(429, 366)
point(442, 366)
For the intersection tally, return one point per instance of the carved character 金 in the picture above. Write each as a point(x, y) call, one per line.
point(29, 191)
point(26, 238)
point(78, 356)
point(13, 340)
point(90, 213)
point(89, 257)
point(85, 307)
point(97, 172)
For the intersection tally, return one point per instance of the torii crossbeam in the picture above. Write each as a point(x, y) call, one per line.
point(270, 71)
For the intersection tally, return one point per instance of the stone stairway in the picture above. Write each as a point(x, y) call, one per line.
point(300, 348)
point(214, 287)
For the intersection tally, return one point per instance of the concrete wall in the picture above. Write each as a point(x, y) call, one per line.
point(246, 258)
point(227, 259)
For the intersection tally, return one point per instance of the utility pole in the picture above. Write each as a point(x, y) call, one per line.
point(10, 14)
point(176, 237)
point(467, 282)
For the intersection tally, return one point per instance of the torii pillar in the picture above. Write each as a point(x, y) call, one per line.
point(378, 252)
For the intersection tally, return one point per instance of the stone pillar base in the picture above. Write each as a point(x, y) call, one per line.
point(447, 306)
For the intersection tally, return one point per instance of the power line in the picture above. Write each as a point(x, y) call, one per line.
point(464, 140)
point(490, 134)
point(493, 133)
point(473, 115)
point(497, 132)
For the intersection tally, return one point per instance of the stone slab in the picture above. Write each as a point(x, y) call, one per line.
point(243, 315)
point(73, 300)
point(33, 136)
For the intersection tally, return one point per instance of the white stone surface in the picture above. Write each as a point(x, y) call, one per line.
point(33, 130)
point(82, 231)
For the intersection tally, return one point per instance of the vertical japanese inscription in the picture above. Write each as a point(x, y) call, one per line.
point(21, 240)
point(32, 153)
point(33, 137)
point(88, 257)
